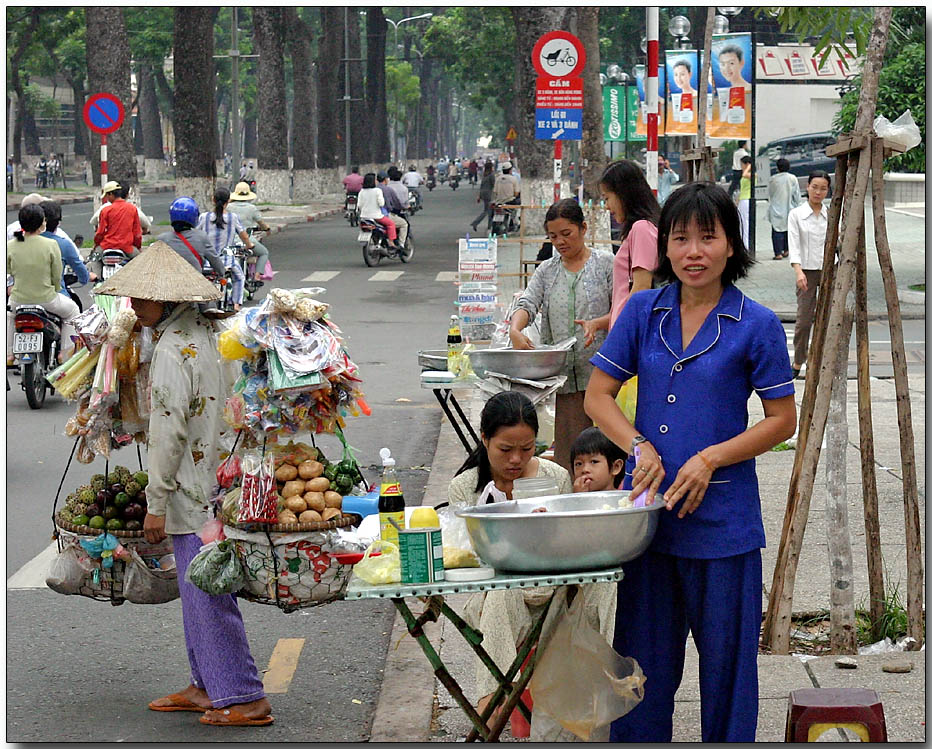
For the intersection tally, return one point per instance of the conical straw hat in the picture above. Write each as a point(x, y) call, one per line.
point(159, 274)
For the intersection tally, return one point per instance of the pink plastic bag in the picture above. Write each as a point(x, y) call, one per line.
point(268, 274)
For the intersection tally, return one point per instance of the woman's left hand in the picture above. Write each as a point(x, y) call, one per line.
point(690, 484)
point(589, 330)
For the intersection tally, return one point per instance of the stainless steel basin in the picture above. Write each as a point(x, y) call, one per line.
point(432, 359)
point(576, 532)
point(534, 364)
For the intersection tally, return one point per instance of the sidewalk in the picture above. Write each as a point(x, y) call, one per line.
point(409, 711)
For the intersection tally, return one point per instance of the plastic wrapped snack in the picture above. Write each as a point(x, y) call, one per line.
point(457, 546)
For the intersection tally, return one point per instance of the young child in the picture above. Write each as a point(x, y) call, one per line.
point(598, 463)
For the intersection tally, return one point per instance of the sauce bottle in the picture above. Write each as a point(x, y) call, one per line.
point(391, 499)
point(454, 345)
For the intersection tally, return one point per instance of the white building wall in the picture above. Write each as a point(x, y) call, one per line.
point(794, 109)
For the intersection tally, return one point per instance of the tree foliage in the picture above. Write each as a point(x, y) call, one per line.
point(830, 24)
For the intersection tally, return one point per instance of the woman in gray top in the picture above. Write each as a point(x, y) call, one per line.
point(572, 291)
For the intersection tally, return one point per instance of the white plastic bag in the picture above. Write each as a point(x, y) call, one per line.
point(141, 584)
point(69, 569)
point(457, 546)
point(903, 130)
point(580, 681)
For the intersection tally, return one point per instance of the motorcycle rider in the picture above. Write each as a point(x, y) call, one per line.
point(145, 222)
point(69, 253)
point(221, 226)
point(352, 182)
point(473, 171)
point(32, 198)
point(454, 168)
point(395, 205)
point(119, 226)
point(42, 172)
point(413, 180)
point(251, 218)
point(443, 166)
point(507, 189)
point(35, 263)
point(186, 239)
point(373, 202)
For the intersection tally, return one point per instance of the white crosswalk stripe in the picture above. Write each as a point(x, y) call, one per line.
point(321, 276)
point(447, 276)
point(32, 574)
point(386, 275)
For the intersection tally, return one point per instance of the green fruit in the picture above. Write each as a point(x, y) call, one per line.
point(113, 478)
point(330, 472)
point(345, 483)
point(141, 478)
point(88, 495)
point(114, 524)
point(79, 508)
point(132, 488)
point(97, 521)
point(121, 499)
point(111, 511)
point(333, 486)
point(65, 515)
point(80, 519)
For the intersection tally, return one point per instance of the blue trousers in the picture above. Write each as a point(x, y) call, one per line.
point(661, 599)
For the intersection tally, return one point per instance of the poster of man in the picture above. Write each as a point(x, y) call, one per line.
point(640, 74)
point(731, 71)
point(682, 105)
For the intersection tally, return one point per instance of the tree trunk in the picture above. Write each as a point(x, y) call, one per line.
point(592, 148)
point(274, 179)
point(359, 147)
point(330, 49)
point(80, 129)
point(424, 108)
point(13, 71)
point(376, 30)
point(151, 124)
point(304, 115)
point(164, 91)
point(250, 137)
point(108, 70)
point(535, 157)
point(194, 82)
point(31, 134)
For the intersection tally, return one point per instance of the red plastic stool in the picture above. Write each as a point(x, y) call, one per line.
point(520, 728)
point(812, 712)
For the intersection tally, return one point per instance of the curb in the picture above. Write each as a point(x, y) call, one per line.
point(71, 199)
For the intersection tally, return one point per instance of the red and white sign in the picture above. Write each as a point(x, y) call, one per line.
point(103, 113)
point(561, 93)
point(558, 54)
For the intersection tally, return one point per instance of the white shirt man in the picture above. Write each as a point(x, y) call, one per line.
point(412, 179)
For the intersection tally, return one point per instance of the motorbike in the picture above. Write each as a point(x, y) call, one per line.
point(240, 254)
point(375, 244)
point(350, 209)
point(112, 260)
point(455, 181)
point(36, 343)
point(442, 177)
point(431, 182)
point(224, 285)
point(414, 201)
point(71, 278)
point(504, 220)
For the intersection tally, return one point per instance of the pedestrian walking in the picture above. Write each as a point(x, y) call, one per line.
point(485, 195)
point(185, 427)
point(736, 169)
point(806, 229)
point(666, 178)
point(700, 348)
point(744, 200)
point(782, 197)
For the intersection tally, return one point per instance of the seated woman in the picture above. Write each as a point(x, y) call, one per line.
point(508, 429)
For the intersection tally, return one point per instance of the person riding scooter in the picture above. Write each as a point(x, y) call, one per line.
point(186, 239)
point(395, 205)
point(251, 218)
point(119, 227)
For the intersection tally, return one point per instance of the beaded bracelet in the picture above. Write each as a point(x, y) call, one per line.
point(706, 461)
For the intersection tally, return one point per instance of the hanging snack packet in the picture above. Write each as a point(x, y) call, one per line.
point(258, 502)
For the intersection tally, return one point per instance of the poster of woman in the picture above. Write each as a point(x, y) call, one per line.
point(731, 71)
point(640, 74)
point(682, 105)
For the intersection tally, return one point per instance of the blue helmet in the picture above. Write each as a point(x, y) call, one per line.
point(184, 209)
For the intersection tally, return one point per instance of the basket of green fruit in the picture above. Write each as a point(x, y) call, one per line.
point(114, 502)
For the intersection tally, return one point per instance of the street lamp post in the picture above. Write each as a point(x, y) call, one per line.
point(395, 25)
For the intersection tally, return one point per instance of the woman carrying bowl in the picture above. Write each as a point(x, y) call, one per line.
point(508, 429)
point(573, 293)
point(700, 348)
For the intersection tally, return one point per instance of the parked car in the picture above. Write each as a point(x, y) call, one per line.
point(806, 154)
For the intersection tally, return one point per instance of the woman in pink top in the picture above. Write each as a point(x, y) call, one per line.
point(632, 204)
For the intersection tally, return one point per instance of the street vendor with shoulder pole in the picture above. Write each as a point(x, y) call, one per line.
point(187, 397)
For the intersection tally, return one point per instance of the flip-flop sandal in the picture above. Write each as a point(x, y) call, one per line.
point(178, 703)
point(233, 717)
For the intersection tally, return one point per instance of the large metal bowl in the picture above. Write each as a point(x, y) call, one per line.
point(434, 360)
point(533, 364)
point(575, 533)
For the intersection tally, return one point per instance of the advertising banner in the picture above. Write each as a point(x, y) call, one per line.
point(682, 102)
point(795, 63)
point(731, 72)
point(613, 113)
point(634, 114)
point(641, 128)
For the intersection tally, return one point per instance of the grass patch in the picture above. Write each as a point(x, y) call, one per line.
point(918, 287)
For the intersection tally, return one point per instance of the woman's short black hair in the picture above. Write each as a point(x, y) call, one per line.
point(368, 181)
point(180, 226)
point(819, 174)
point(506, 409)
point(567, 208)
point(705, 203)
point(52, 212)
point(626, 180)
point(30, 219)
point(592, 441)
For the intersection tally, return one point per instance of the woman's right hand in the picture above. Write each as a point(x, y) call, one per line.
point(519, 340)
point(801, 282)
point(648, 473)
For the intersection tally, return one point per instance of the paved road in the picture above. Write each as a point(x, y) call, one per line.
point(93, 667)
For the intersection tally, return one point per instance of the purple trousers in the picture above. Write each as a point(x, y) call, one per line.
point(215, 637)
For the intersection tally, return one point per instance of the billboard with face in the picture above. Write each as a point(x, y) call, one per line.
point(683, 80)
point(640, 75)
point(731, 73)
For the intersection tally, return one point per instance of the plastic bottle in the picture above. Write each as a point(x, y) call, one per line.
point(454, 345)
point(391, 499)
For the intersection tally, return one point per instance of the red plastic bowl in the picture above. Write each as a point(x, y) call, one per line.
point(351, 557)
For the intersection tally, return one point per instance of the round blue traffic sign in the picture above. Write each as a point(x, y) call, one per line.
point(103, 113)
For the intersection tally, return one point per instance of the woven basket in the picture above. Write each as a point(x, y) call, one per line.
point(341, 522)
point(86, 530)
point(299, 573)
point(103, 584)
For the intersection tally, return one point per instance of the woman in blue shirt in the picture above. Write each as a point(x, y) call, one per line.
point(699, 348)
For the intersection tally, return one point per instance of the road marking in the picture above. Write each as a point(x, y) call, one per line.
point(32, 574)
point(282, 665)
point(447, 275)
point(322, 276)
point(387, 275)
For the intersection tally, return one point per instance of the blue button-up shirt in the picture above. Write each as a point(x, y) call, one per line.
point(69, 256)
point(688, 400)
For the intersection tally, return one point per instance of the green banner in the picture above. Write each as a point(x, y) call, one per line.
point(613, 113)
point(634, 104)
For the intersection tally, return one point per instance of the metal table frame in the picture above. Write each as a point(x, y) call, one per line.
point(508, 694)
point(445, 396)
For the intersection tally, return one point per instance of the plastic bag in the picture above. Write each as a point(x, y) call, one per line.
point(903, 130)
point(383, 569)
point(142, 584)
point(627, 398)
point(216, 570)
point(457, 546)
point(580, 681)
point(258, 502)
point(69, 569)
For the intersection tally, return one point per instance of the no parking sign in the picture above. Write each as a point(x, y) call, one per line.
point(103, 113)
